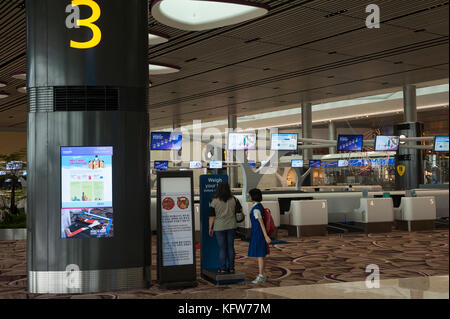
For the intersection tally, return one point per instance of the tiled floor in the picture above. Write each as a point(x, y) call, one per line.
point(315, 267)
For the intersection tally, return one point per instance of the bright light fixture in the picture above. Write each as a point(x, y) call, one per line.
point(22, 89)
point(155, 38)
point(162, 68)
point(2, 84)
point(3, 95)
point(199, 15)
point(19, 76)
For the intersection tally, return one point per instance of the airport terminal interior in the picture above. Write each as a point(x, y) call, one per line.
point(119, 119)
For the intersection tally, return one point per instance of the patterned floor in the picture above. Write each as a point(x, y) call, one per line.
point(313, 260)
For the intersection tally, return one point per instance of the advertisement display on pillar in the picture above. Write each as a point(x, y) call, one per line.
point(86, 192)
point(176, 250)
point(209, 248)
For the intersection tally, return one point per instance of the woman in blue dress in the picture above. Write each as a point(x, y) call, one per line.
point(258, 237)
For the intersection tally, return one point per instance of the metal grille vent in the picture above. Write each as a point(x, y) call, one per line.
point(85, 98)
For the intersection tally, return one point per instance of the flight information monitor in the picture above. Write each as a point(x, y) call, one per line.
point(195, 165)
point(441, 144)
point(348, 143)
point(284, 142)
point(215, 164)
point(297, 163)
point(342, 163)
point(241, 141)
point(315, 163)
point(87, 192)
point(161, 165)
point(387, 143)
point(166, 141)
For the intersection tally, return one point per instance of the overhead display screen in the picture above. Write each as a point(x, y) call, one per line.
point(166, 141)
point(387, 143)
point(195, 165)
point(347, 143)
point(161, 165)
point(86, 192)
point(241, 141)
point(14, 166)
point(441, 144)
point(297, 163)
point(284, 142)
point(315, 163)
point(332, 164)
point(342, 163)
point(215, 164)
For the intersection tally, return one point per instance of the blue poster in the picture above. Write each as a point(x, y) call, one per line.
point(209, 247)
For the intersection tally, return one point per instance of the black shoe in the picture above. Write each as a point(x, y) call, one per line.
point(231, 271)
point(221, 271)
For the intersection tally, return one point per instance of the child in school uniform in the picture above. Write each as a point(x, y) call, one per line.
point(259, 239)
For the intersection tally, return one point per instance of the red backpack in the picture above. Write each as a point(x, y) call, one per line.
point(268, 222)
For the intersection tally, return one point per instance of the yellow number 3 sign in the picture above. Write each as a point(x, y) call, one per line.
point(89, 23)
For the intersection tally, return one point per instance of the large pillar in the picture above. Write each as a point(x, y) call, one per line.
point(412, 159)
point(88, 93)
point(307, 133)
point(332, 136)
point(232, 170)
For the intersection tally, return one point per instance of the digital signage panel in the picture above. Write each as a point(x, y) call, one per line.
point(195, 165)
point(441, 144)
point(347, 143)
point(284, 142)
point(241, 141)
point(166, 141)
point(342, 163)
point(215, 164)
point(86, 192)
point(387, 143)
point(297, 163)
point(315, 163)
point(161, 165)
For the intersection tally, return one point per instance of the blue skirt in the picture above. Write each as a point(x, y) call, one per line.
point(258, 245)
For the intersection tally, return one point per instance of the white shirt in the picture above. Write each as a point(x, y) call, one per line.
point(256, 213)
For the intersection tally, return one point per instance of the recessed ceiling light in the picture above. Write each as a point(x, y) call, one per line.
point(19, 76)
point(22, 89)
point(155, 38)
point(194, 15)
point(162, 68)
point(3, 95)
point(2, 84)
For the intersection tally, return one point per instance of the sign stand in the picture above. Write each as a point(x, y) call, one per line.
point(176, 263)
point(209, 249)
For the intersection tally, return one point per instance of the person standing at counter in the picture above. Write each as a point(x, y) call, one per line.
point(259, 239)
point(222, 221)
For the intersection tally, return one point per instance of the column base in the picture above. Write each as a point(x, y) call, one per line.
point(88, 281)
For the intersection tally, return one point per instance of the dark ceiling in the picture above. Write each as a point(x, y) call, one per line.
point(313, 50)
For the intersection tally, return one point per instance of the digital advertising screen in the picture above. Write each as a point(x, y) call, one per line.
point(342, 163)
point(241, 141)
point(387, 143)
point(441, 144)
point(86, 192)
point(297, 163)
point(215, 164)
point(166, 141)
point(195, 165)
point(161, 165)
point(331, 164)
point(315, 163)
point(348, 143)
point(284, 142)
point(14, 166)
